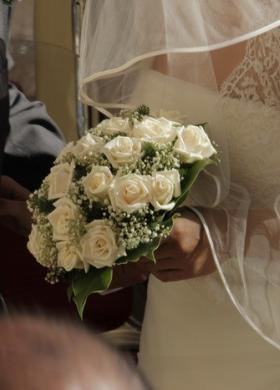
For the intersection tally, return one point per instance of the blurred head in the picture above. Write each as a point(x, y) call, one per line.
point(37, 353)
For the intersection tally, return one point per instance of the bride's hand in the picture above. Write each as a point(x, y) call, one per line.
point(185, 253)
point(129, 274)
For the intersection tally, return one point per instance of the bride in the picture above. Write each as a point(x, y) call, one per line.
point(216, 324)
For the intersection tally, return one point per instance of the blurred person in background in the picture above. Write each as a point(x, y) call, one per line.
point(29, 139)
point(39, 353)
point(29, 143)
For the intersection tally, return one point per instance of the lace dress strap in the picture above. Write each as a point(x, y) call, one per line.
point(257, 77)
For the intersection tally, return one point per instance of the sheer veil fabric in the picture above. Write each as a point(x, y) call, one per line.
point(118, 36)
point(160, 53)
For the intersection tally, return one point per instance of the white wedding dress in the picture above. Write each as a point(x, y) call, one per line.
point(193, 337)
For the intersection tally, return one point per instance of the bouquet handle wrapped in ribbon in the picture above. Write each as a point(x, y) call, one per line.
point(112, 196)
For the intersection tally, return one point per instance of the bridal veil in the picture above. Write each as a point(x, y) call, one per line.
point(158, 52)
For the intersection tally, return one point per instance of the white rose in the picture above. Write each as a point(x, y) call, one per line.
point(36, 244)
point(64, 212)
point(129, 193)
point(86, 145)
point(160, 130)
point(193, 144)
point(59, 180)
point(175, 116)
point(164, 187)
point(96, 183)
point(99, 247)
point(68, 256)
point(114, 125)
point(122, 150)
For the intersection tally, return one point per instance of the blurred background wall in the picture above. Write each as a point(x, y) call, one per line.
point(55, 62)
point(43, 47)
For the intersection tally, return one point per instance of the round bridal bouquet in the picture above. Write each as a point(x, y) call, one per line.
point(112, 196)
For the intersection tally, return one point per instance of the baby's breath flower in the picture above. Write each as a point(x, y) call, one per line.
point(54, 274)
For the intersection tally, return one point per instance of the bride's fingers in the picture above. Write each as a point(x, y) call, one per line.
point(166, 251)
point(143, 260)
point(176, 248)
point(173, 252)
point(127, 275)
point(170, 264)
point(172, 275)
point(161, 265)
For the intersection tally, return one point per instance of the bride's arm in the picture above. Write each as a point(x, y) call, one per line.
point(186, 253)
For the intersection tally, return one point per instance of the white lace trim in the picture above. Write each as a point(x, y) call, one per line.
point(257, 78)
point(254, 130)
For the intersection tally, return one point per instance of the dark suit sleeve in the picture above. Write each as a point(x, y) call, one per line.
point(4, 101)
point(33, 143)
point(4, 119)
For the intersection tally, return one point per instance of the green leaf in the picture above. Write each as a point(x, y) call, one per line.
point(148, 149)
point(190, 177)
point(143, 110)
point(151, 255)
point(168, 224)
point(137, 114)
point(8, 2)
point(146, 250)
point(80, 171)
point(44, 205)
point(85, 284)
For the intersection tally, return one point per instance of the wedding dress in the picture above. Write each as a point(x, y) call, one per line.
point(192, 336)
